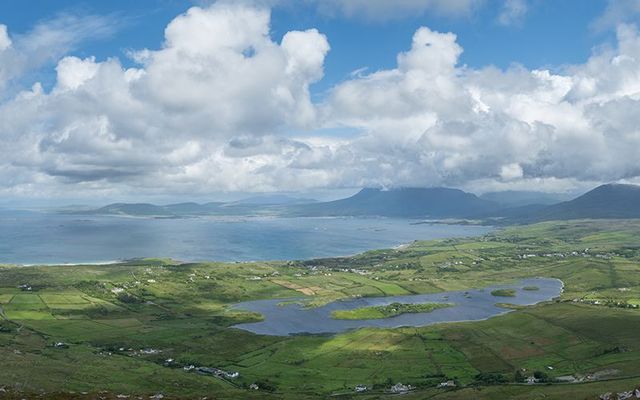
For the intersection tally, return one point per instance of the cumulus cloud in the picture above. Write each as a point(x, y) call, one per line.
point(432, 120)
point(218, 76)
point(222, 106)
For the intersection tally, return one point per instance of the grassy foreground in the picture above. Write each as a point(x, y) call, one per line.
point(130, 329)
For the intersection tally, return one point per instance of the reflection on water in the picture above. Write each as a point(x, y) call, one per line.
point(291, 318)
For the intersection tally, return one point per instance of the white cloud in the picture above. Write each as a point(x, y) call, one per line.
point(73, 72)
point(511, 171)
point(218, 108)
point(172, 116)
point(513, 12)
point(5, 41)
point(433, 122)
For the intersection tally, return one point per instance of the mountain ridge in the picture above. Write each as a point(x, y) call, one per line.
point(604, 201)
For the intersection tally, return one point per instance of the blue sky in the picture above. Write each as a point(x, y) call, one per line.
point(179, 99)
point(551, 34)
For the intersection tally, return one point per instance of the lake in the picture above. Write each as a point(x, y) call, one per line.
point(472, 305)
point(47, 238)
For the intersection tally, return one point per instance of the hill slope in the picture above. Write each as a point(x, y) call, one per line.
point(606, 201)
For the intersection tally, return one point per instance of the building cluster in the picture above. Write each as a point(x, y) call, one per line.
point(400, 388)
point(583, 253)
point(220, 373)
point(450, 264)
point(354, 271)
point(606, 302)
point(631, 394)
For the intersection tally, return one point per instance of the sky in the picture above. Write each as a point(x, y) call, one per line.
point(179, 99)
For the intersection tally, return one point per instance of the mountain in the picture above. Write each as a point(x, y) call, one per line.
point(516, 198)
point(402, 202)
point(606, 201)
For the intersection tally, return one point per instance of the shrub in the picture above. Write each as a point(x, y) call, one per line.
point(490, 378)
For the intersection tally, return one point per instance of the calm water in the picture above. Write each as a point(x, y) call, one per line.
point(283, 320)
point(30, 238)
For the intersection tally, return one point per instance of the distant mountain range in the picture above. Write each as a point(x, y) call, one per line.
point(249, 206)
point(606, 201)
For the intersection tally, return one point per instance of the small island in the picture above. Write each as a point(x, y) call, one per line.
point(531, 288)
point(388, 311)
point(504, 293)
point(510, 306)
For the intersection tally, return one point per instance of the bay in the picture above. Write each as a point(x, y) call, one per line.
point(49, 238)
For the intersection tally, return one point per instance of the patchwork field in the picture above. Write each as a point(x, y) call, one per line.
point(132, 328)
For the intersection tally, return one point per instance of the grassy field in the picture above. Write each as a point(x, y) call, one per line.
point(131, 328)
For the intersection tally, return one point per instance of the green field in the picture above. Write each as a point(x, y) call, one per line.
point(121, 323)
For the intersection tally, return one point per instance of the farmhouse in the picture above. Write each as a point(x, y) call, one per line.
point(531, 380)
point(400, 388)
